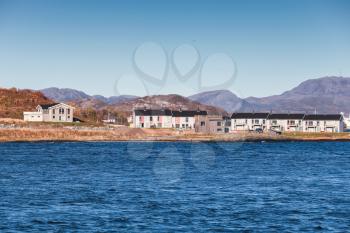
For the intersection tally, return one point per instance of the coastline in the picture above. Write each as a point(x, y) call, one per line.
point(125, 134)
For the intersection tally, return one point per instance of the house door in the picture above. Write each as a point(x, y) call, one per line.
point(59, 118)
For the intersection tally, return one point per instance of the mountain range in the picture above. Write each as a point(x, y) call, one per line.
point(68, 95)
point(324, 95)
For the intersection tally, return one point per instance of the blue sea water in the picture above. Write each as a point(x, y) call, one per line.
point(175, 187)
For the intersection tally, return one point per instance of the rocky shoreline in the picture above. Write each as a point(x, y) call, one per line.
point(23, 134)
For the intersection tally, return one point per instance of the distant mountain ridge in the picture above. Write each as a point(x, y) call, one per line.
point(125, 103)
point(324, 95)
point(72, 95)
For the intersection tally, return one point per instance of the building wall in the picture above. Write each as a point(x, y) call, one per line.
point(33, 116)
point(183, 122)
point(152, 121)
point(323, 126)
point(201, 124)
point(212, 124)
point(288, 125)
point(239, 124)
point(57, 113)
point(248, 124)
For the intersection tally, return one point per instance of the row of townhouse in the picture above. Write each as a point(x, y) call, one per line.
point(289, 122)
point(165, 118)
point(201, 121)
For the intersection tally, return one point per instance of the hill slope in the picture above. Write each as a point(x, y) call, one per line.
point(174, 102)
point(14, 102)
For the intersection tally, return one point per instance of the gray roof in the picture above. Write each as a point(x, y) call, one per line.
point(250, 115)
point(152, 112)
point(47, 106)
point(168, 112)
point(330, 117)
point(283, 116)
point(186, 113)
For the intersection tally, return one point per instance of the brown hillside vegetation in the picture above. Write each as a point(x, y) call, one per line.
point(173, 102)
point(13, 102)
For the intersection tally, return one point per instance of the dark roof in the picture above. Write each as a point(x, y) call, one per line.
point(47, 106)
point(186, 113)
point(249, 115)
point(281, 116)
point(334, 117)
point(152, 112)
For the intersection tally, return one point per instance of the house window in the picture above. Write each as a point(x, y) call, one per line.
point(158, 118)
point(219, 130)
point(68, 117)
point(68, 110)
point(186, 119)
point(252, 121)
point(53, 111)
point(142, 125)
point(62, 110)
point(274, 122)
point(318, 123)
point(53, 117)
point(202, 123)
point(218, 123)
point(246, 121)
point(183, 125)
point(263, 121)
point(151, 118)
point(256, 121)
point(139, 118)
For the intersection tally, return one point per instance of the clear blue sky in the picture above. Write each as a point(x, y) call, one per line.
point(88, 45)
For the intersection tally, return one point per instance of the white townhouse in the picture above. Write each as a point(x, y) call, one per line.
point(243, 121)
point(57, 112)
point(289, 122)
point(152, 118)
point(323, 123)
point(185, 119)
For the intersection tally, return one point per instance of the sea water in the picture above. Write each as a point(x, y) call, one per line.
point(175, 187)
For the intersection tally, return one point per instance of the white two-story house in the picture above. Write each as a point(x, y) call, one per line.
point(323, 123)
point(285, 122)
point(56, 112)
point(243, 121)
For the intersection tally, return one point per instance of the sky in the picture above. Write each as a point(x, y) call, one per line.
point(253, 48)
